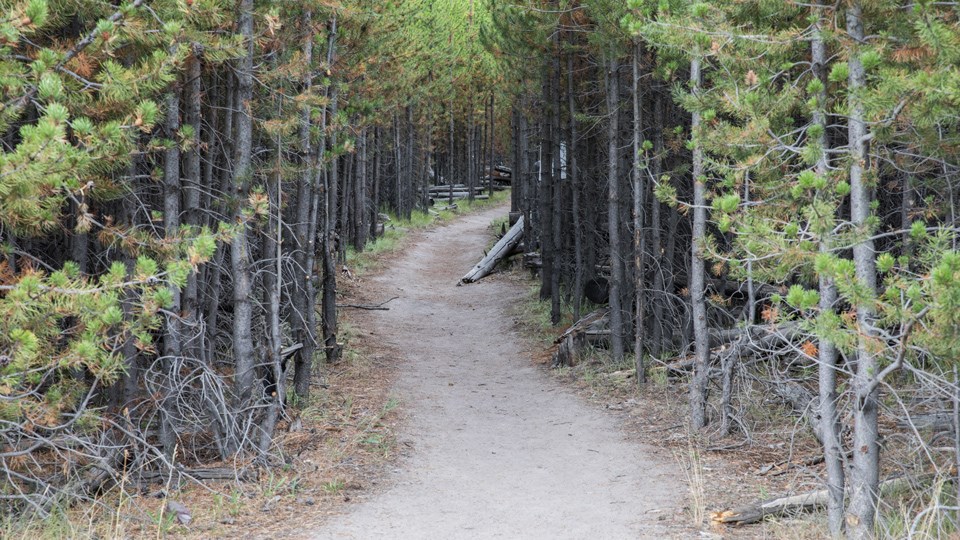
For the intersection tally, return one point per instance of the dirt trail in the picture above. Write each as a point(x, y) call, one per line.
point(498, 449)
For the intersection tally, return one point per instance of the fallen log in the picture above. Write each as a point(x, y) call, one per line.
point(455, 196)
point(370, 307)
point(501, 250)
point(589, 329)
point(199, 474)
point(455, 192)
point(794, 504)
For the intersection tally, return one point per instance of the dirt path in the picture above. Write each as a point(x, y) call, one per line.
point(498, 449)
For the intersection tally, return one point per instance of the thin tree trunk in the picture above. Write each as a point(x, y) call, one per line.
point(214, 282)
point(490, 147)
point(639, 191)
point(304, 295)
point(191, 200)
point(698, 385)
point(556, 187)
point(273, 284)
point(360, 186)
point(410, 174)
point(865, 472)
point(398, 167)
point(172, 344)
point(243, 350)
point(574, 176)
point(346, 227)
point(827, 353)
point(613, 208)
point(375, 199)
point(522, 174)
point(471, 173)
point(656, 244)
point(329, 248)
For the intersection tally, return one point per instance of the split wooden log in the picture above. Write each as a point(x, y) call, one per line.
point(199, 474)
point(501, 250)
point(795, 504)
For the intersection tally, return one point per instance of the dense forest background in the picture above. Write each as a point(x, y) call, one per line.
point(764, 191)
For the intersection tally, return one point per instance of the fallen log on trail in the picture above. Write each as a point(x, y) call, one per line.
point(590, 329)
point(370, 307)
point(794, 504)
point(501, 250)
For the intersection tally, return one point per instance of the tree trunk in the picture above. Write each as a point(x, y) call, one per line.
point(191, 200)
point(656, 244)
point(272, 285)
point(360, 195)
point(555, 186)
point(574, 176)
point(491, 145)
point(639, 191)
point(864, 474)
point(613, 208)
point(827, 353)
point(240, 264)
point(698, 385)
point(375, 199)
point(172, 337)
point(303, 299)
point(329, 248)
point(214, 281)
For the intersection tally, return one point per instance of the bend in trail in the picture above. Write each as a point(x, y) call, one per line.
point(499, 449)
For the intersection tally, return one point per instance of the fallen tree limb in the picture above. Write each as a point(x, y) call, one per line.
point(741, 342)
point(501, 250)
point(200, 474)
point(793, 504)
point(370, 307)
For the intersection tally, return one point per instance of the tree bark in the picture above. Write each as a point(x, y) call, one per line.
point(613, 207)
point(172, 337)
point(639, 192)
point(827, 352)
point(243, 350)
point(556, 188)
point(360, 187)
point(574, 176)
point(698, 385)
point(191, 199)
point(656, 244)
point(329, 248)
point(304, 296)
point(864, 474)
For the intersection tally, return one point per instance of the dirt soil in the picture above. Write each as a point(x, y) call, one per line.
point(493, 446)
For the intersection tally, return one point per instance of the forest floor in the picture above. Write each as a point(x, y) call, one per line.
point(491, 445)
